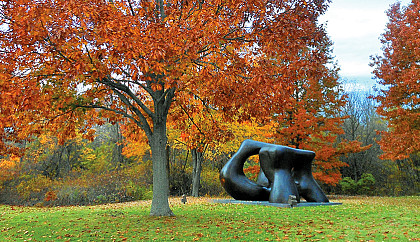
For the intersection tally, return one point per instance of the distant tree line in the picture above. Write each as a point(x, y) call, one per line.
point(380, 176)
point(108, 168)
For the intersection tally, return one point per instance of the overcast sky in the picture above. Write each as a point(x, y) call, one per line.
point(355, 27)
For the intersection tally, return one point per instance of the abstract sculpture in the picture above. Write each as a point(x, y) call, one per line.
point(284, 171)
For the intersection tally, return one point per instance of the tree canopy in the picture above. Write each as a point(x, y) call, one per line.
point(67, 65)
point(398, 72)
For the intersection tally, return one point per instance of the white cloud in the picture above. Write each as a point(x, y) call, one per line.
point(350, 23)
point(355, 27)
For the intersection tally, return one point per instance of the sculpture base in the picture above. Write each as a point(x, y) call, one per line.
point(280, 205)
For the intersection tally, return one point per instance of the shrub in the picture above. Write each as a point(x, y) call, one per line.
point(73, 195)
point(111, 187)
point(348, 186)
point(210, 183)
point(364, 186)
point(32, 188)
point(50, 196)
point(81, 187)
point(137, 191)
point(180, 180)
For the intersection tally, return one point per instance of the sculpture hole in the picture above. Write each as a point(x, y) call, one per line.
point(252, 168)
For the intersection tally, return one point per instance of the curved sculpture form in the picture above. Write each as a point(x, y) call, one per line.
point(285, 171)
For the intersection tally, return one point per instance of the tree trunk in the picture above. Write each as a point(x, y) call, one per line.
point(117, 157)
point(160, 204)
point(197, 158)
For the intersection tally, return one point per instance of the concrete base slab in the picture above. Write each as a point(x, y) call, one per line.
point(281, 205)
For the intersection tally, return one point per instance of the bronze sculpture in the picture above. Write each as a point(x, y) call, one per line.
point(284, 171)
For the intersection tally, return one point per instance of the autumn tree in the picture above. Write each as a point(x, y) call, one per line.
point(78, 62)
point(200, 128)
point(9, 167)
point(398, 72)
point(311, 118)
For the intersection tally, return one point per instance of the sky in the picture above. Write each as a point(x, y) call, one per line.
point(355, 27)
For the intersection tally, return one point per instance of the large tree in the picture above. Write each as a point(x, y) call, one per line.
point(76, 62)
point(398, 73)
point(311, 119)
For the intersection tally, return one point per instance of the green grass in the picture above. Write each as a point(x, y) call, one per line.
point(359, 218)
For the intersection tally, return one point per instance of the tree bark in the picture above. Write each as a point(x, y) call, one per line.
point(197, 158)
point(117, 157)
point(160, 204)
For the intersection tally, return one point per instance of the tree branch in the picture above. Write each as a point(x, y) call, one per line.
point(169, 99)
point(125, 89)
point(141, 124)
point(143, 121)
point(131, 8)
point(192, 120)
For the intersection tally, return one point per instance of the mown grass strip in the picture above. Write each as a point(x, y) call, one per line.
point(359, 218)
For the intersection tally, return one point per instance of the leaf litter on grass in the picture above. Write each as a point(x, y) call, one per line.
point(359, 218)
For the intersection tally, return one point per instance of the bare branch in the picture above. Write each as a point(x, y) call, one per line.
point(192, 120)
point(131, 8)
point(125, 89)
point(170, 94)
point(143, 121)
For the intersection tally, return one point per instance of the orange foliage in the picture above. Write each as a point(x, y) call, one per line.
point(50, 196)
point(9, 168)
point(398, 70)
point(130, 62)
point(311, 118)
point(62, 58)
point(197, 126)
point(135, 142)
point(78, 62)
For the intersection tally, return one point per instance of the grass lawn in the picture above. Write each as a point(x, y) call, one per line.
point(358, 219)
